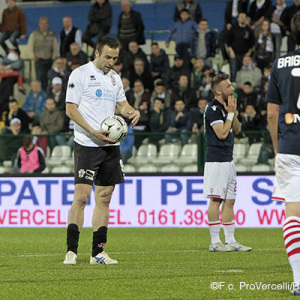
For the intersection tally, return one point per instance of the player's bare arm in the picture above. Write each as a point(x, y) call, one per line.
point(73, 113)
point(273, 113)
point(129, 112)
point(222, 129)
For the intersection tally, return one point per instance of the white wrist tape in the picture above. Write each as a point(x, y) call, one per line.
point(230, 116)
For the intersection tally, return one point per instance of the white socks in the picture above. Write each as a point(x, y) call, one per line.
point(229, 232)
point(291, 235)
point(214, 230)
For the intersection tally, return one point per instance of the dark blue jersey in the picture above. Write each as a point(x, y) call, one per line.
point(217, 150)
point(284, 90)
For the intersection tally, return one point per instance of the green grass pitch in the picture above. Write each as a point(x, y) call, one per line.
point(153, 264)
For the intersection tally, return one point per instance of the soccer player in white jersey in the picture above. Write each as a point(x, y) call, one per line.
point(94, 91)
point(221, 124)
point(283, 106)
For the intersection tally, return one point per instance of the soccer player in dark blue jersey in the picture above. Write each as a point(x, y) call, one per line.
point(283, 105)
point(221, 124)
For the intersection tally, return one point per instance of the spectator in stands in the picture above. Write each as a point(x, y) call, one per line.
point(53, 123)
point(198, 114)
point(130, 25)
point(160, 121)
point(38, 138)
point(126, 145)
point(13, 25)
point(69, 34)
point(265, 46)
point(266, 151)
point(196, 75)
point(206, 43)
point(125, 59)
point(192, 6)
point(204, 89)
point(240, 40)
point(136, 52)
point(142, 127)
point(30, 158)
point(251, 122)
point(138, 95)
point(11, 141)
point(286, 19)
point(75, 53)
point(246, 95)
point(58, 93)
point(259, 10)
point(59, 70)
point(160, 92)
point(183, 92)
point(100, 18)
point(15, 112)
point(118, 68)
point(126, 84)
point(174, 73)
point(181, 124)
point(35, 101)
point(141, 74)
point(184, 33)
point(11, 72)
point(43, 49)
point(159, 62)
point(276, 24)
point(232, 10)
point(249, 72)
point(75, 63)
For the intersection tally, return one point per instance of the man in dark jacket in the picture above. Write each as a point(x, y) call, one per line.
point(130, 25)
point(286, 19)
point(192, 6)
point(100, 17)
point(159, 62)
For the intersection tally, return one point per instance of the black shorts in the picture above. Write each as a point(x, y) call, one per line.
point(98, 165)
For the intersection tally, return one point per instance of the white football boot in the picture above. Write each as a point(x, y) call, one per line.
point(102, 259)
point(219, 247)
point(238, 247)
point(70, 259)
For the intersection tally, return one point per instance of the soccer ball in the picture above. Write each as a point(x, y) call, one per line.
point(117, 127)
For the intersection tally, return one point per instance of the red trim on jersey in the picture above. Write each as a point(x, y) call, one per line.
point(278, 199)
point(291, 221)
point(295, 251)
point(214, 196)
point(296, 240)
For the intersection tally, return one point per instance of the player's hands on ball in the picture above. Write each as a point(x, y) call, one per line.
point(102, 136)
point(231, 106)
point(134, 116)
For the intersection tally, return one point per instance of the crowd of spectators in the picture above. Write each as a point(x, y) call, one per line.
point(171, 98)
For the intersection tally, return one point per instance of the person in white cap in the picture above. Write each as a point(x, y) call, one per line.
point(58, 93)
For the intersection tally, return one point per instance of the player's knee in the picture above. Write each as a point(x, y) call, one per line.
point(104, 195)
point(81, 200)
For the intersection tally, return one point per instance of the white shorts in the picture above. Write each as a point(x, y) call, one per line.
point(219, 180)
point(287, 179)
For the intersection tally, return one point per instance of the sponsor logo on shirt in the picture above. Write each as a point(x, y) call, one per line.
point(98, 93)
point(92, 77)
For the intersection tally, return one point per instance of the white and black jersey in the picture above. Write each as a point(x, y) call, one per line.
point(96, 95)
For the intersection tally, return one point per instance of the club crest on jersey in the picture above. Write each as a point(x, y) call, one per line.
point(214, 107)
point(98, 93)
point(113, 80)
point(81, 173)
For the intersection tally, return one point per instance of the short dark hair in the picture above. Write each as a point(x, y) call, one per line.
point(27, 140)
point(160, 83)
point(295, 25)
point(216, 80)
point(154, 43)
point(108, 41)
point(12, 100)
